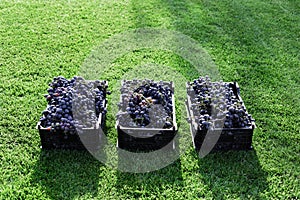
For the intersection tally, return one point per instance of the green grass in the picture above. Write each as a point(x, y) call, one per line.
point(253, 42)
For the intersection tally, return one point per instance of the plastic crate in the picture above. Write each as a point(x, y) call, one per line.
point(90, 139)
point(230, 138)
point(141, 138)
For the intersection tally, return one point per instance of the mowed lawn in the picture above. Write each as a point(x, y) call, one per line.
point(253, 42)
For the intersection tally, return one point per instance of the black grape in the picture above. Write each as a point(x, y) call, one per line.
point(213, 102)
point(149, 105)
point(59, 115)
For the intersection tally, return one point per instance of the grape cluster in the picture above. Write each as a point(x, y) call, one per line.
point(218, 105)
point(150, 96)
point(66, 96)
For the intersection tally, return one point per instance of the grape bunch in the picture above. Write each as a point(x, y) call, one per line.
point(144, 105)
point(218, 105)
point(66, 96)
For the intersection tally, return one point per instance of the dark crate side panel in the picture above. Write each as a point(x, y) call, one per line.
point(145, 147)
point(59, 140)
point(238, 139)
point(156, 141)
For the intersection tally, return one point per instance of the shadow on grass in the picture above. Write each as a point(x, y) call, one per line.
point(150, 184)
point(67, 174)
point(143, 185)
point(235, 174)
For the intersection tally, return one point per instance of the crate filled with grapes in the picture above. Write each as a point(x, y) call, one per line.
point(216, 110)
point(146, 119)
point(75, 114)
